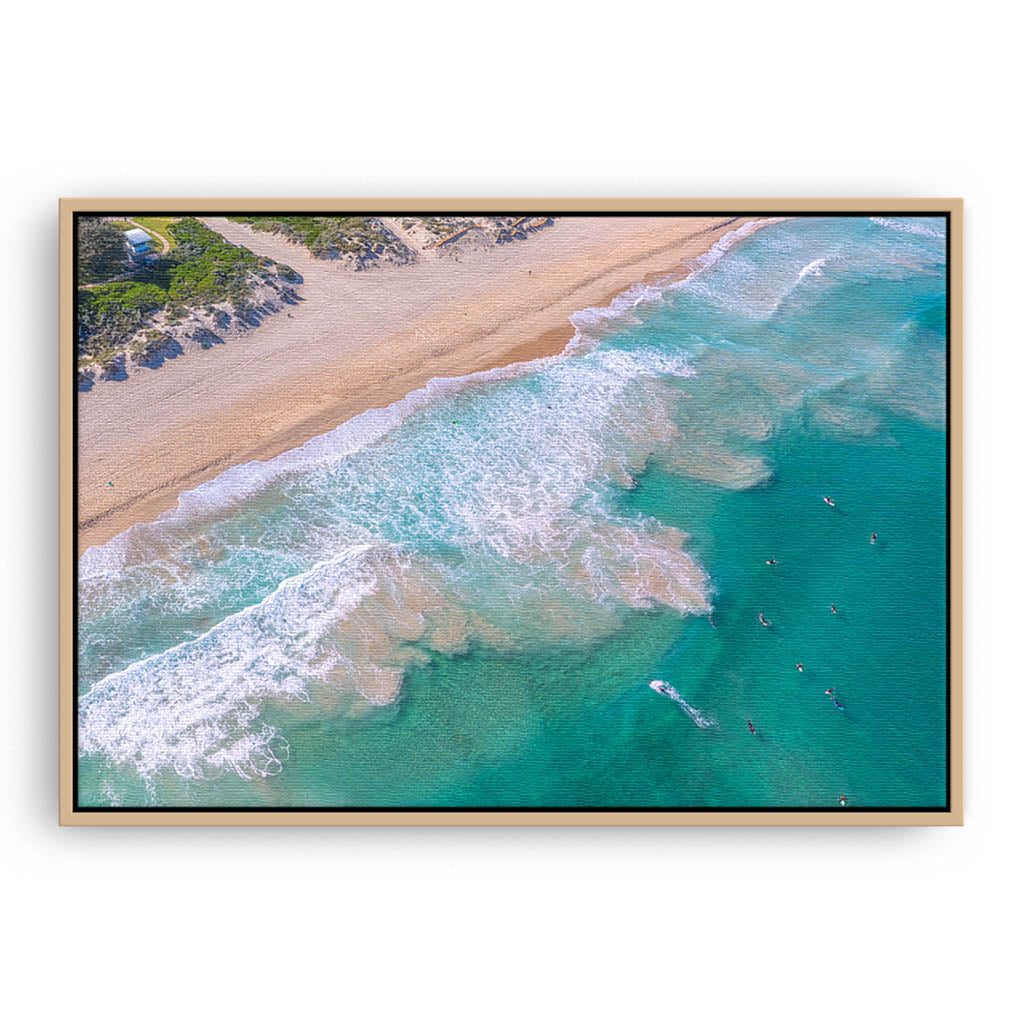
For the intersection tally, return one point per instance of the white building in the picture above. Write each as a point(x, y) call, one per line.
point(138, 242)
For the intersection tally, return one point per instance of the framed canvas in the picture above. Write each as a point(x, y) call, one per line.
point(511, 511)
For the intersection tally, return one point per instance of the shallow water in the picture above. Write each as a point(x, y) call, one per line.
point(461, 600)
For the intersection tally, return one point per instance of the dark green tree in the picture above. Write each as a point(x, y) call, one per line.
point(101, 251)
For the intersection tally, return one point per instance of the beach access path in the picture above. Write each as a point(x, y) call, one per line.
point(355, 341)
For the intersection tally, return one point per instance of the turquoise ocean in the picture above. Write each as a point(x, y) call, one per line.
point(461, 600)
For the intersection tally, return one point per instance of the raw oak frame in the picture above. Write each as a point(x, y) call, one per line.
point(70, 814)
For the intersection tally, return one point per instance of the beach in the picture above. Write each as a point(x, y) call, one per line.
point(462, 599)
point(356, 341)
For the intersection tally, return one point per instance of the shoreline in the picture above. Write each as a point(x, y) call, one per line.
point(356, 342)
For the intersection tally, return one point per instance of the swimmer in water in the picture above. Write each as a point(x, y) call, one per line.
point(874, 537)
point(799, 666)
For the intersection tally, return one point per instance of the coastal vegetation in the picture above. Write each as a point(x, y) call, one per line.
point(444, 226)
point(366, 241)
point(153, 308)
point(101, 251)
point(360, 238)
point(201, 273)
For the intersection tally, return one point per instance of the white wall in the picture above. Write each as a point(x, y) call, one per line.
point(638, 99)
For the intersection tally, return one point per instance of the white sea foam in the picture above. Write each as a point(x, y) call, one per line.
point(195, 706)
point(731, 239)
point(628, 306)
point(815, 268)
point(931, 227)
point(698, 717)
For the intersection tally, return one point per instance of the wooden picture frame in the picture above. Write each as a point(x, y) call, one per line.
point(950, 814)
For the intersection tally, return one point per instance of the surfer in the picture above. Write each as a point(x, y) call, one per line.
point(842, 800)
point(799, 666)
point(828, 501)
point(834, 612)
point(831, 690)
point(874, 537)
point(750, 726)
point(771, 561)
point(762, 619)
point(713, 623)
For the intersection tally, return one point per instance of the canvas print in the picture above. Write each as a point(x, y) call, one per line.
point(519, 510)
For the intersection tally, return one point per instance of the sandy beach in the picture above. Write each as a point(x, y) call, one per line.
point(356, 341)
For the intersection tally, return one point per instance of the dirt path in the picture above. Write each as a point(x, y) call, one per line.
point(109, 280)
point(394, 225)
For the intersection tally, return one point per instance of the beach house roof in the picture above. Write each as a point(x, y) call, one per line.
point(136, 236)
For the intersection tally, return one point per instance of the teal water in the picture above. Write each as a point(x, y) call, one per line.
point(462, 600)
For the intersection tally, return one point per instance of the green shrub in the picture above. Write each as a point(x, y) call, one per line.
point(101, 250)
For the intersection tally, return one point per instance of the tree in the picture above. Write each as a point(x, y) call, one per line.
point(101, 251)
